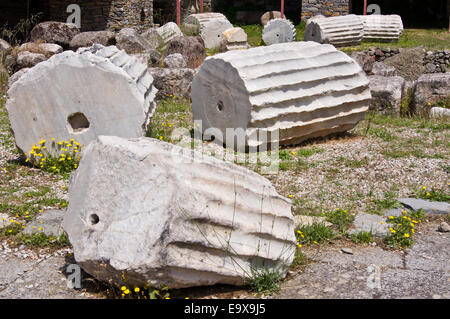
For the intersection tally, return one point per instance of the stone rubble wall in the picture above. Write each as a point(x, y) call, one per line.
point(328, 8)
point(106, 14)
point(434, 61)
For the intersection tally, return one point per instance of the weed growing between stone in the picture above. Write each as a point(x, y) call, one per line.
point(146, 292)
point(403, 228)
point(361, 237)
point(340, 218)
point(264, 280)
point(433, 194)
point(60, 157)
point(314, 234)
point(43, 240)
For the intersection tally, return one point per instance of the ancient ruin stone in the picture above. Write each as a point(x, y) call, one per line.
point(234, 39)
point(87, 39)
point(172, 82)
point(159, 213)
point(4, 46)
point(270, 15)
point(278, 31)
point(47, 49)
point(212, 32)
point(431, 88)
point(380, 68)
point(318, 16)
point(194, 23)
point(303, 89)
point(439, 112)
point(168, 32)
point(174, 61)
point(132, 42)
point(191, 48)
point(386, 28)
point(27, 59)
point(103, 85)
point(387, 93)
point(153, 37)
point(54, 32)
point(13, 78)
point(339, 31)
point(364, 60)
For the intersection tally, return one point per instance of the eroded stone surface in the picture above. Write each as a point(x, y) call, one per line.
point(212, 32)
point(112, 90)
point(431, 88)
point(168, 32)
point(48, 222)
point(54, 32)
point(340, 31)
point(87, 39)
point(271, 88)
point(270, 15)
point(377, 27)
point(144, 208)
point(428, 207)
point(368, 223)
point(278, 31)
point(194, 23)
point(387, 93)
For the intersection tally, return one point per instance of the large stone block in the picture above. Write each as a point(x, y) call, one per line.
point(339, 31)
point(87, 39)
point(431, 88)
point(168, 32)
point(387, 93)
point(165, 215)
point(385, 28)
point(194, 23)
point(80, 95)
point(270, 15)
point(303, 89)
point(234, 39)
point(191, 48)
point(278, 31)
point(212, 32)
point(54, 32)
point(172, 82)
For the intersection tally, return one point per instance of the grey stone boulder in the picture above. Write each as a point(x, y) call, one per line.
point(4, 46)
point(270, 15)
point(439, 112)
point(49, 223)
point(149, 57)
point(380, 68)
point(87, 39)
point(153, 38)
point(191, 48)
point(374, 224)
point(156, 212)
point(131, 41)
point(174, 61)
point(27, 59)
point(365, 60)
point(94, 91)
point(387, 93)
point(172, 82)
point(16, 76)
point(431, 88)
point(47, 49)
point(427, 206)
point(54, 32)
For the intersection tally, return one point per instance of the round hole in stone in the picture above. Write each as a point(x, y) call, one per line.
point(94, 219)
point(220, 106)
point(78, 122)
